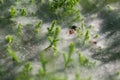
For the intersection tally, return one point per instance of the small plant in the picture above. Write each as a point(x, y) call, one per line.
point(83, 61)
point(68, 59)
point(19, 29)
point(87, 36)
point(12, 11)
point(13, 54)
point(83, 25)
point(55, 39)
point(23, 12)
point(25, 74)
point(37, 27)
point(69, 4)
point(65, 9)
point(9, 38)
point(53, 33)
point(43, 61)
point(52, 28)
point(77, 16)
point(83, 32)
point(79, 32)
point(41, 72)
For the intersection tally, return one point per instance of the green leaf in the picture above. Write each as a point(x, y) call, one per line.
point(79, 32)
point(13, 54)
point(19, 29)
point(37, 30)
point(28, 67)
point(51, 29)
point(20, 26)
point(87, 36)
point(25, 74)
point(23, 12)
point(55, 50)
point(41, 72)
point(9, 38)
point(83, 25)
point(65, 57)
point(38, 25)
point(57, 31)
point(68, 60)
point(43, 60)
point(12, 11)
point(50, 39)
point(71, 49)
point(55, 43)
point(82, 60)
point(53, 24)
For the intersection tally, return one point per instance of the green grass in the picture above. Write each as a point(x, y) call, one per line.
point(68, 57)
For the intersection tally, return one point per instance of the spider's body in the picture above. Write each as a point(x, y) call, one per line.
point(72, 29)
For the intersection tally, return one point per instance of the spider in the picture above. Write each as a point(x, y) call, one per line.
point(72, 29)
